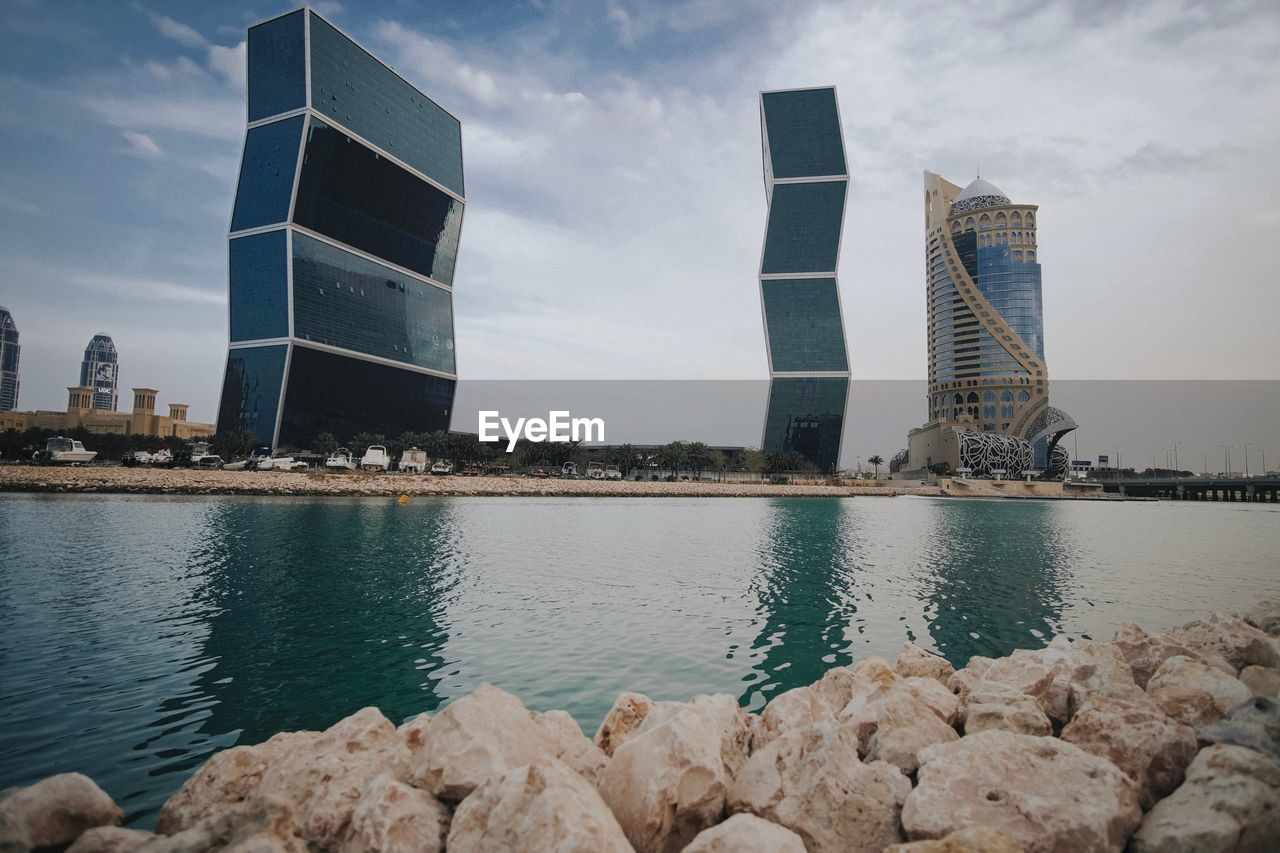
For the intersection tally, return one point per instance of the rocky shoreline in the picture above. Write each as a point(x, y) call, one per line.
point(186, 481)
point(1165, 742)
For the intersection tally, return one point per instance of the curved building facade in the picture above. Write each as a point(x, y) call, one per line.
point(9, 352)
point(806, 180)
point(343, 242)
point(100, 371)
point(987, 371)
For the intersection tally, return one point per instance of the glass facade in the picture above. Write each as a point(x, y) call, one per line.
point(277, 66)
point(363, 95)
point(251, 391)
point(9, 353)
point(802, 131)
point(350, 193)
point(344, 300)
point(806, 416)
point(100, 371)
point(259, 268)
point(802, 316)
point(804, 228)
point(1013, 288)
point(344, 396)
point(265, 187)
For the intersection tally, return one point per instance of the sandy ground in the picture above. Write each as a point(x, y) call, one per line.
point(27, 478)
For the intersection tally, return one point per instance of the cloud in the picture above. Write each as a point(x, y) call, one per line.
point(179, 32)
point(230, 63)
point(142, 144)
point(126, 288)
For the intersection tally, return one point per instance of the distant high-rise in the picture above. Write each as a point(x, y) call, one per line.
point(100, 371)
point(9, 351)
point(805, 179)
point(343, 241)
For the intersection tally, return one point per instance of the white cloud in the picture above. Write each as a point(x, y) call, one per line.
point(179, 32)
point(141, 144)
point(229, 62)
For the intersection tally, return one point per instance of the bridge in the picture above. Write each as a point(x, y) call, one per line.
point(1254, 489)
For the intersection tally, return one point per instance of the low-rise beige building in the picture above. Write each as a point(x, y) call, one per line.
point(143, 420)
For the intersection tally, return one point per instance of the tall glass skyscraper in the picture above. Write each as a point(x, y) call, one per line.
point(9, 351)
point(987, 368)
point(343, 241)
point(100, 371)
point(805, 179)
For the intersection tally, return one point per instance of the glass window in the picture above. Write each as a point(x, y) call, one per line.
point(350, 193)
point(804, 228)
point(806, 415)
point(370, 309)
point(251, 391)
point(266, 174)
point(803, 131)
point(259, 275)
point(277, 67)
point(802, 317)
point(360, 93)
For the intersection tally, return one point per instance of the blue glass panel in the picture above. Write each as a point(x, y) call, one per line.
point(345, 396)
point(368, 98)
point(803, 320)
point(344, 300)
point(806, 416)
point(277, 67)
point(259, 270)
point(356, 196)
point(803, 130)
point(804, 228)
point(266, 174)
point(1013, 288)
point(251, 391)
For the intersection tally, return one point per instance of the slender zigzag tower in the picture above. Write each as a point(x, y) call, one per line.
point(343, 241)
point(805, 179)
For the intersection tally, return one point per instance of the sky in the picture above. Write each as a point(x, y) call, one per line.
point(615, 203)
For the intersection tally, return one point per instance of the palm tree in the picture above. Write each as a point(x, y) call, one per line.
point(877, 461)
point(698, 457)
point(324, 443)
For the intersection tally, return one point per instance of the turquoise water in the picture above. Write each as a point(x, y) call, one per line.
point(139, 634)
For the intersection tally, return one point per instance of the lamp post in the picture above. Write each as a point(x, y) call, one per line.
point(1246, 460)
point(1175, 455)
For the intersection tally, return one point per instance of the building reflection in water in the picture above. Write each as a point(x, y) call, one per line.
point(996, 576)
point(805, 590)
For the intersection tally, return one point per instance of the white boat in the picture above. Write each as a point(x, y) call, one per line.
point(238, 465)
point(199, 450)
point(595, 470)
point(282, 463)
point(340, 460)
point(442, 467)
point(569, 470)
point(375, 459)
point(612, 473)
point(64, 451)
point(413, 461)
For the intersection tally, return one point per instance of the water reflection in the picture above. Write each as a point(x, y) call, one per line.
point(998, 576)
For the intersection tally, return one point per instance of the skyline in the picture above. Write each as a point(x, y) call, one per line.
point(576, 145)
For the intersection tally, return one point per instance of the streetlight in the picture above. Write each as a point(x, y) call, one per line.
point(1175, 454)
point(1246, 460)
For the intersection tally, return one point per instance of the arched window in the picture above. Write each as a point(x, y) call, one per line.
point(989, 397)
point(1017, 256)
point(955, 227)
point(985, 222)
point(1023, 396)
point(1006, 411)
point(1006, 396)
point(973, 397)
point(959, 399)
point(1030, 221)
point(1031, 256)
point(968, 224)
point(1016, 219)
point(1000, 220)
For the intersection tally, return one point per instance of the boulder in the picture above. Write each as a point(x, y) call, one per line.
point(392, 817)
point(895, 725)
point(1230, 637)
point(1230, 801)
point(414, 732)
point(1265, 616)
point(914, 661)
point(1034, 673)
point(253, 826)
point(1261, 681)
point(623, 720)
point(668, 780)
point(1100, 669)
point(797, 708)
point(110, 839)
point(53, 812)
point(993, 707)
point(1193, 693)
point(964, 680)
point(971, 839)
point(1046, 794)
point(812, 782)
point(746, 833)
point(323, 780)
point(543, 806)
point(1146, 653)
point(485, 734)
point(1254, 724)
point(1153, 749)
point(226, 779)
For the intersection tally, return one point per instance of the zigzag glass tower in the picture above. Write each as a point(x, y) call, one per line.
point(805, 179)
point(343, 242)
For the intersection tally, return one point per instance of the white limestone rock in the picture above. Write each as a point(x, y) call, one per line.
point(1240, 643)
point(543, 806)
point(110, 839)
point(812, 782)
point(971, 839)
point(964, 680)
point(915, 661)
point(1032, 672)
point(746, 833)
point(623, 720)
point(1145, 653)
point(414, 732)
point(1229, 803)
point(894, 724)
point(392, 817)
point(996, 707)
point(1261, 681)
point(1193, 693)
point(53, 812)
point(1153, 749)
point(1265, 616)
point(247, 827)
point(1100, 669)
point(1046, 794)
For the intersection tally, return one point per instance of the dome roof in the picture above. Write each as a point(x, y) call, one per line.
point(980, 194)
